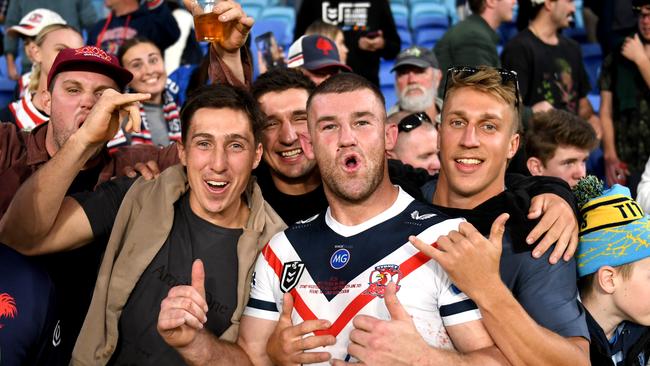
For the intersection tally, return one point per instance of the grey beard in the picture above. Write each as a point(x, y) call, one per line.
point(417, 103)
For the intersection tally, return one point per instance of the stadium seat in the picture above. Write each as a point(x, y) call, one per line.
point(279, 28)
point(252, 10)
point(400, 15)
point(506, 31)
point(401, 2)
point(592, 57)
point(428, 38)
point(386, 78)
point(389, 96)
point(7, 85)
point(405, 37)
point(284, 14)
point(427, 11)
point(260, 3)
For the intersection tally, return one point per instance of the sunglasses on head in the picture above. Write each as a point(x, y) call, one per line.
point(507, 77)
point(413, 121)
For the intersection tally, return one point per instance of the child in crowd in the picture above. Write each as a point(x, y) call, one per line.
point(614, 267)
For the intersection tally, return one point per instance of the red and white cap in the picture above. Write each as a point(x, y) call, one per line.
point(92, 59)
point(32, 23)
point(315, 52)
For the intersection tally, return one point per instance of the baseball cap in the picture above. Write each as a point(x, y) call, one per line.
point(416, 56)
point(315, 52)
point(90, 58)
point(614, 231)
point(34, 21)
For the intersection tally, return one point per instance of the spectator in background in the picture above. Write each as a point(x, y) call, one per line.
point(417, 77)
point(30, 111)
point(625, 103)
point(317, 57)
point(417, 141)
point(473, 41)
point(331, 32)
point(28, 28)
point(558, 144)
point(128, 18)
point(549, 66)
point(161, 124)
point(77, 13)
point(613, 264)
point(186, 50)
point(368, 26)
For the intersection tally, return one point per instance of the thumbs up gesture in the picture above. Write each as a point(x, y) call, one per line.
point(184, 311)
point(470, 259)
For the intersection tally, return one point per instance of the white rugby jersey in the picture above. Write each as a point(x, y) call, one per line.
point(336, 272)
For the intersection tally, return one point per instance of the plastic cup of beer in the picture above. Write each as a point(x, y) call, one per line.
point(207, 25)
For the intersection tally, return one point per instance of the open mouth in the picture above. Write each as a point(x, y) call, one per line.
point(351, 163)
point(216, 186)
point(468, 164)
point(289, 154)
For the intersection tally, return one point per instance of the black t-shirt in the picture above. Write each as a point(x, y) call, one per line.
point(74, 273)
point(554, 73)
point(291, 208)
point(190, 238)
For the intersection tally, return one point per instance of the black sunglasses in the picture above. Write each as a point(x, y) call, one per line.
point(507, 77)
point(413, 121)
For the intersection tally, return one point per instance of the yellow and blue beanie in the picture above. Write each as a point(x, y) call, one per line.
point(614, 231)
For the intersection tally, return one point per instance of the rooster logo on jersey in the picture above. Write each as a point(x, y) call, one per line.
point(7, 307)
point(381, 277)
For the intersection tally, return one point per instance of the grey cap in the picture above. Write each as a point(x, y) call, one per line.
point(416, 56)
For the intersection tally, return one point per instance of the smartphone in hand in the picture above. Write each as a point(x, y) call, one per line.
point(271, 52)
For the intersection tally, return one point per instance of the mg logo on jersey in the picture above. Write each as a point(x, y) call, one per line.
point(340, 258)
point(381, 277)
point(291, 272)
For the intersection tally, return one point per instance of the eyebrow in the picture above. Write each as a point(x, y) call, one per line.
point(355, 115)
point(141, 57)
point(229, 137)
point(483, 116)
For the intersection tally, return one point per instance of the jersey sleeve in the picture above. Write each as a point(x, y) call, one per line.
point(265, 297)
point(550, 296)
point(454, 306)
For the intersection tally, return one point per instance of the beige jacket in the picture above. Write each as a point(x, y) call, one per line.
point(150, 205)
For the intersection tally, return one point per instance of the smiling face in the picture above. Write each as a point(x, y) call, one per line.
point(219, 154)
point(286, 118)
point(476, 140)
point(644, 22)
point(348, 133)
point(145, 62)
point(73, 95)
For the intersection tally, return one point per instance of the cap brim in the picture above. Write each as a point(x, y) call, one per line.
point(122, 77)
point(321, 64)
point(29, 31)
point(411, 62)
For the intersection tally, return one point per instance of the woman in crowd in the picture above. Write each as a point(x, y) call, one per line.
point(29, 111)
point(160, 114)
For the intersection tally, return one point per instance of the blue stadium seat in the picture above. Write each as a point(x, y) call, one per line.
point(577, 34)
point(279, 29)
point(506, 31)
point(592, 57)
point(386, 78)
point(400, 15)
point(260, 3)
point(285, 14)
point(406, 37)
point(7, 85)
point(389, 95)
point(252, 10)
point(429, 20)
point(401, 2)
point(426, 10)
point(428, 37)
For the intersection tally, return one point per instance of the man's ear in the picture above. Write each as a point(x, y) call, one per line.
point(513, 146)
point(182, 154)
point(606, 278)
point(535, 166)
point(391, 132)
point(258, 155)
point(47, 102)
